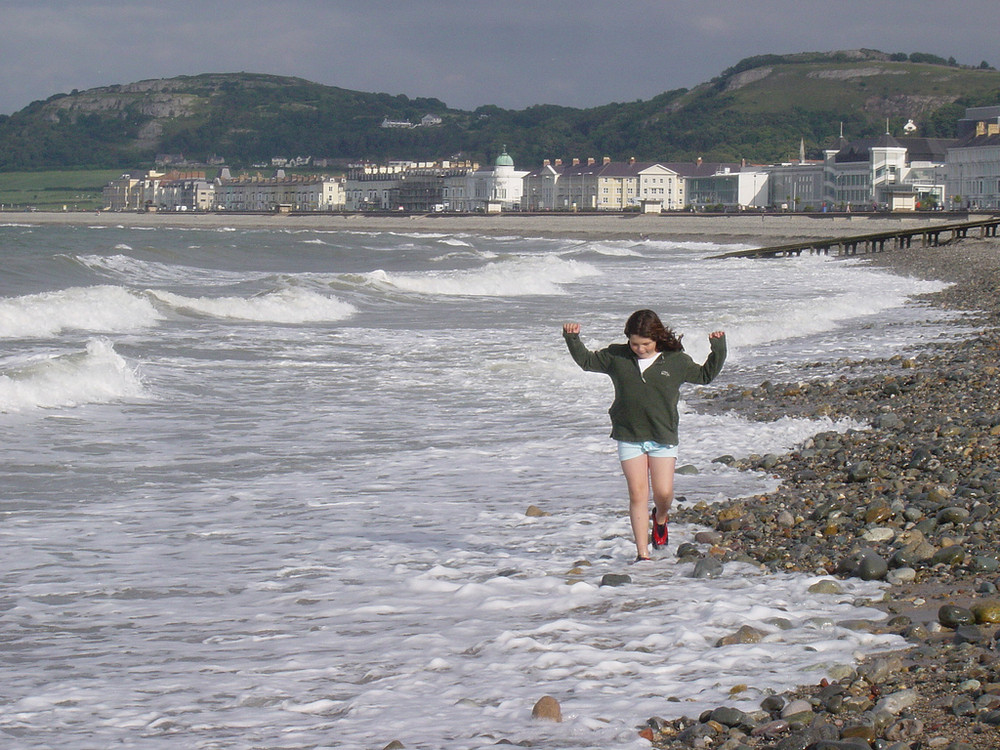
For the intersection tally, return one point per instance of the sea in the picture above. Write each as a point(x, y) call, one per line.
point(268, 488)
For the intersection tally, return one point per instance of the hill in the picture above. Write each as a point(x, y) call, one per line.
point(758, 110)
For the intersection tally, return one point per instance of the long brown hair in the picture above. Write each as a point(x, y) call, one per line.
point(646, 323)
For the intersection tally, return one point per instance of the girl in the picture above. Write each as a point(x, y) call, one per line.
point(647, 373)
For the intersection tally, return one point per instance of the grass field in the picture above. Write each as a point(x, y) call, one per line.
point(69, 190)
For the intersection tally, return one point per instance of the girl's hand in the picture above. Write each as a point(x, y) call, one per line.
point(571, 327)
point(716, 335)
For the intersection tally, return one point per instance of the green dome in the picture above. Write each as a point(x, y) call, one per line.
point(504, 159)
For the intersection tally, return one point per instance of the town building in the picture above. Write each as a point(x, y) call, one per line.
point(973, 179)
point(404, 185)
point(725, 186)
point(279, 193)
point(886, 172)
point(191, 191)
point(125, 193)
point(797, 186)
point(596, 186)
point(486, 189)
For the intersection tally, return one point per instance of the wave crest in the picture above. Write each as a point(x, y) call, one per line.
point(98, 309)
point(284, 306)
point(507, 278)
point(96, 376)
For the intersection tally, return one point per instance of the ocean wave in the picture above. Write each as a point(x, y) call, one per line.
point(527, 276)
point(873, 294)
point(98, 309)
point(133, 270)
point(285, 306)
point(98, 375)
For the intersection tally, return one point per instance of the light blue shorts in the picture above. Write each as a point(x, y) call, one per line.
point(649, 447)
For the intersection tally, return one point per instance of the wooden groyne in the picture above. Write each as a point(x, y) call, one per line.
point(876, 242)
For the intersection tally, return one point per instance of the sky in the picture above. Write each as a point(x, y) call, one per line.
point(467, 53)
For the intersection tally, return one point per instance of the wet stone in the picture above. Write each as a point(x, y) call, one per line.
point(707, 567)
point(951, 616)
point(730, 717)
point(865, 564)
point(969, 634)
point(615, 579)
point(951, 555)
point(986, 612)
point(547, 708)
point(745, 634)
point(826, 586)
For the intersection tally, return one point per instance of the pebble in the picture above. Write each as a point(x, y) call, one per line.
point(547, 708)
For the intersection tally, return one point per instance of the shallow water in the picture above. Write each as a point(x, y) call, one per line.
point(267, 489)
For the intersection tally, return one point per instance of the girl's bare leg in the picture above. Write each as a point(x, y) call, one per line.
point(661, 479)
point(636, 471)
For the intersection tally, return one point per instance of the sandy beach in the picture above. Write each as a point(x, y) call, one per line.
point(751, 229)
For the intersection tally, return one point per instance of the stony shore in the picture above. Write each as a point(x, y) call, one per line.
point(914, 501)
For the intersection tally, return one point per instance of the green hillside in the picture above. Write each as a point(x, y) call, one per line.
point(758, 110)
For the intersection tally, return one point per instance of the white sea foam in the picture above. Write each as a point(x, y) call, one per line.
point(288, 306)
point(97, 309)
point(96, 376)
point(543, 275)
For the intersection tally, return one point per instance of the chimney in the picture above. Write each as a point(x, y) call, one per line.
point(590, 161)
point(576, 162)
point(545, 162)
point(558, 162)
point(631, 160)
point(699, 161)
point(607, 159)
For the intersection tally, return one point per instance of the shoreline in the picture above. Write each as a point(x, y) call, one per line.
point(748, 228)
point(913, 501)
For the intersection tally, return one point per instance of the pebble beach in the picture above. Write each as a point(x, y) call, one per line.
point(911, 501)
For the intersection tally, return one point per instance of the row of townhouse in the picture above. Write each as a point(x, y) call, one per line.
point(654, 186)
point(191, 191)
point(898, 173)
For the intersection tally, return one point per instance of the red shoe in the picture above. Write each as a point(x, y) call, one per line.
point(660, 534)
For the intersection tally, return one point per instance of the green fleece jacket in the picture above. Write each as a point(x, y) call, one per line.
point(645, 405)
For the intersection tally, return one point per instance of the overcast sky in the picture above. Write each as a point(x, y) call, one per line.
point(512, 53)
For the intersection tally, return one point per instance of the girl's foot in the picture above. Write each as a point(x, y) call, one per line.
point(642, 558)
point(660, 534)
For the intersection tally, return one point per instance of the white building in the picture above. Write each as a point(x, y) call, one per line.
point(289, 193)
point(868, 173)
point(487, 189)
point(620, 186)
point(663, 185)
point(973, 179)
point(729, 186)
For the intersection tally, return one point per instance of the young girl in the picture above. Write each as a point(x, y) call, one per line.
point(647, 373)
